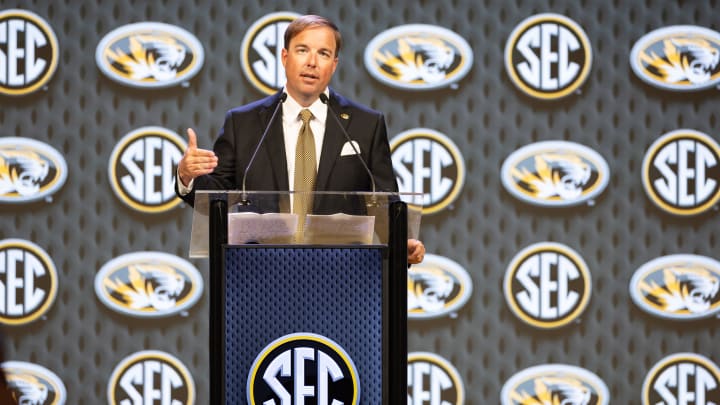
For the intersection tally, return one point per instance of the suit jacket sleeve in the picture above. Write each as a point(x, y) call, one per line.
point(380, 161)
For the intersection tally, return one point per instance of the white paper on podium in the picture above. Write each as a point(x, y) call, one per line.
point(339, 229)
point(250, 227)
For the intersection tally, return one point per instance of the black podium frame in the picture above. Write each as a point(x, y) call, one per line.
point(394, 295)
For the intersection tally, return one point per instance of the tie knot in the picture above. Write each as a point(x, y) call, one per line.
point(305, 115)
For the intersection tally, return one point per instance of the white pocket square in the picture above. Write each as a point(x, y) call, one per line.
point(347, 149)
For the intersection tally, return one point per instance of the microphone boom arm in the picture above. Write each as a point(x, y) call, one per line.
point(283, 97)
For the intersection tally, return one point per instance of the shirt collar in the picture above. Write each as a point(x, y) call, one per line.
point(291, 108)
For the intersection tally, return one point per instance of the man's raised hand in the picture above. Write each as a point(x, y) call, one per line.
point(195, 162)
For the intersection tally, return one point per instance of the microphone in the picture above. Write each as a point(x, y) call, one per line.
point(243, 196)
point(325, 101)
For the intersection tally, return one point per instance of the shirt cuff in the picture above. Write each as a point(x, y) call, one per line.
point(183, 189)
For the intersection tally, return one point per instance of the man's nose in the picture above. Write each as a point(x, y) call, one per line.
point(311, 59)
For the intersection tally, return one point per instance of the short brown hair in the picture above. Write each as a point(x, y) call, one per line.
point(304, 22)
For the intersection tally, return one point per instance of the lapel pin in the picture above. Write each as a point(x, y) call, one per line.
point(344, 116)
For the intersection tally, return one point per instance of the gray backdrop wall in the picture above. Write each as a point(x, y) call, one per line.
point(83, 114)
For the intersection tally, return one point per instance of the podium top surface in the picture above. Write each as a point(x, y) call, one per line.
point(267, 217)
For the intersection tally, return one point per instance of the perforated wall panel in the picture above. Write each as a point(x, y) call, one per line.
point(83, 114)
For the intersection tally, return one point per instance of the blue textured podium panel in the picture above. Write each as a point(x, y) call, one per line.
point(275, 291)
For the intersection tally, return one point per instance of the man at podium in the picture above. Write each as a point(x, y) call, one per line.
point(306, 137)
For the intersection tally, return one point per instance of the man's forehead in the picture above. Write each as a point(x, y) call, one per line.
point(310, 35)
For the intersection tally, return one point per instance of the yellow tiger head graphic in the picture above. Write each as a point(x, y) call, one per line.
point(688, 59)
point(684, 289)
point(22, 172)
point(429, 290)
point(555, 175)
point(555, 391)
point(27, 389)
point(418, 59)
point(148, 57)
point(149, 286)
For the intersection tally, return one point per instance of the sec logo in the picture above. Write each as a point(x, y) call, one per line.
point(680, 172)
point(261, 50)
point(303, 367)
point(429, 163)
point(548, 56)
point(682, 378)
point(151, 376)
point(28, 52)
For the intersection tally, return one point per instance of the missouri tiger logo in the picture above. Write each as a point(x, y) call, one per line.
point(678, 58)
point(148, 284)
point(32, 384)
point(680, 172)
point(142, 169)
point(261, 51)
point(555, 384)
point(678, 287)
point(151, 376)
point(28, 52)
point(682, 378)
point(149, 55)
point(433, 380)
point(438, 286)
point(547, 285)
point(430, 164)
point(555, 174)
point(418, 57)
point(303, 368)
point(30, 170)
point(28, 282)
point(548, 56)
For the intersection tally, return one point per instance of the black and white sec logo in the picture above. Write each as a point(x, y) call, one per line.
point(303, 368)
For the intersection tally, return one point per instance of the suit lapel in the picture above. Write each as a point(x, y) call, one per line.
point(333, 141)
point(275, 144)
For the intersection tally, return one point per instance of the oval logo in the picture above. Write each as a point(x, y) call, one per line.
point(682, 378)
point(151, 376)
point(300, 366)
point(30, 170)
point(548, 56)
point(680, 172)
point(431, 376)
point(148, 284)
point(149, 55)
point(142, 169)
point(29, 282)
point(547, 285)
point(28, 52)
point(429, 163)
point(554, 384)
point(261, 50)
point(33, 384)
point(555, 174)
point(678, 58)
point(437, 287)
point(678, 287)
point(418, 57)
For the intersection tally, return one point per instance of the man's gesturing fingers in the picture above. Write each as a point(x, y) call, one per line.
point(195, 162)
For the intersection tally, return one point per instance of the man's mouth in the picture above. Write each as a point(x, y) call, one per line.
point(309, 76)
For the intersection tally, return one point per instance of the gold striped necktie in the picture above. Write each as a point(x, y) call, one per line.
point(304, 169)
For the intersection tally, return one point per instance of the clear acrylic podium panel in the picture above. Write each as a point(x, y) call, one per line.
point(336, 218)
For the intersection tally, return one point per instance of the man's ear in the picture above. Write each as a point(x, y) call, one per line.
point(283, 56)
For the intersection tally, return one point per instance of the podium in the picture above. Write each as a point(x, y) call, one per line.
point(306, 310)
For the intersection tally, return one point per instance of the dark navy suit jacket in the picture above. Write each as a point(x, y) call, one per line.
point(244, 126)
